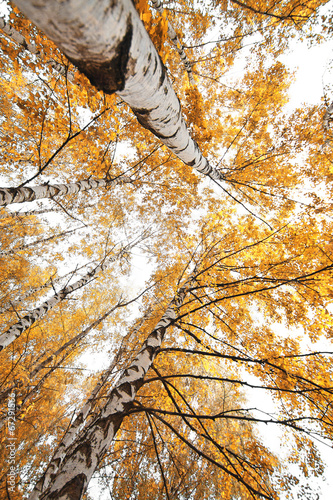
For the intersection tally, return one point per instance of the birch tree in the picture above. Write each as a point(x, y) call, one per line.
point(7, 337)
point(175, 412)
point(21, 41)
point(207, 289)
point(157, 4)
point(127, 64)
point(76, 464)
point(31, 193)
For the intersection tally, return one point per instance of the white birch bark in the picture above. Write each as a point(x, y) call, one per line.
point(24, 194)
point(328, 117)
point(78, 423)
point(108, 43)
point(28, 320)
point(6, 214)
point(69, 438)
point(81, 459)
point(157, 4)
point(11, 304)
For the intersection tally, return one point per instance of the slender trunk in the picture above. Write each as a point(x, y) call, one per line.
point(157, 4)
point(81, 459)
point(28, 213)
point(16, 330)
point(24, 194)
point(74, 340)
point(328, 117)
point(35, 388)
point(11, 304)
point(70, 436)
point(108, 43)
point(37, 242)
point(80, 420)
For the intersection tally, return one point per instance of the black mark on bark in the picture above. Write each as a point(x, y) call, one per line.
point(110, 76)
point(73, 489)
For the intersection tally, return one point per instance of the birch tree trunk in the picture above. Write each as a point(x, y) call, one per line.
point(70, 436)
point(75, 340)
point(328, 117)
point(157, 4)
point(81, 459)
point(35, 387)
point(108, 43)
point(28, 320)
point(79, 421)
point(24, 194)
point(12, 304)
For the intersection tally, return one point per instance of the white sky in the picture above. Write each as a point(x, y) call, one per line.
point(312, 74)
point(3, 8)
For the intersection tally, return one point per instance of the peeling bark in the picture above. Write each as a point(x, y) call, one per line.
point(108, 43)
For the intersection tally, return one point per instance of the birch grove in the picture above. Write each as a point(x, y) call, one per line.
point(172, 373)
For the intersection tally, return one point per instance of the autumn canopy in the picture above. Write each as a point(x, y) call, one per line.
point(166, 252)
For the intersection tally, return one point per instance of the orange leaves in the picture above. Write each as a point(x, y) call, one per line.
point(142, 7)
point(257, 298)
point(156, 27)
point(197, 112)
